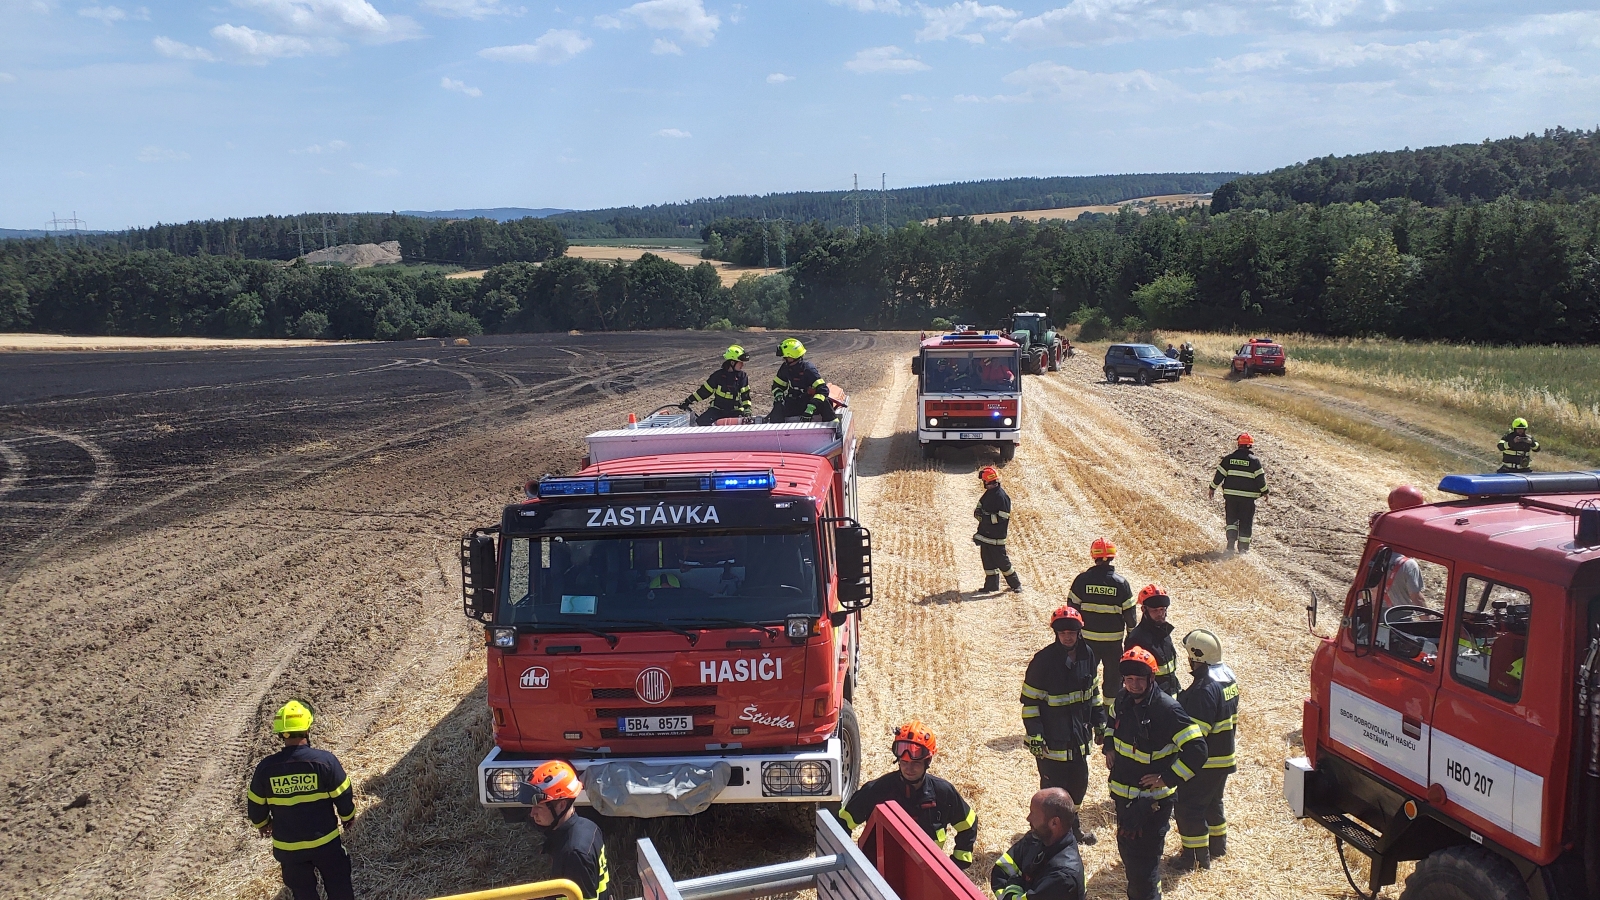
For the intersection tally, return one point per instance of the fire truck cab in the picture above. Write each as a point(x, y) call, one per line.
point(1454, 717)
point(970, 391)
point(679, 620)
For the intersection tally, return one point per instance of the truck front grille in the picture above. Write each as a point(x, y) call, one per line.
point(678, 693)
point(618, 712)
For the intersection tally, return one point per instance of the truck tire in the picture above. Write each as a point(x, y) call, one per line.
point(1464, 873)
point(849, 750)
point(1008, 452)
point(1055, 359)
point(927, 450)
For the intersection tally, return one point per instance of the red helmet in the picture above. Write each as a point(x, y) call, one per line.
point(1102, 549)
point(555, 780)
point(1153, 595)
point(913, 741)
point(988, 474)
point(1066, 619)
point(1135, 659)
point(1245, 440)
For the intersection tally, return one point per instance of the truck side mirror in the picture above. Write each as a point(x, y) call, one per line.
point(853, 562)
point(479, 575)
point(916, 365)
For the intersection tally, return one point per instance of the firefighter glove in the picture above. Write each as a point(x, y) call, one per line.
point(1035, 745)
point(685, 404)
point(811, 409)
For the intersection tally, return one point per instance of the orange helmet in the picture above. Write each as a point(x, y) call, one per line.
point(1066, 619)
point(1245, 440)
point(555, 780)
point(913, 741)
point(1138, 661)
point(988, 474)
point(1102, 549)
point(1153, 595)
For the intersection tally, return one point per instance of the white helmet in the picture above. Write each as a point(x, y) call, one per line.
point(1203, 647)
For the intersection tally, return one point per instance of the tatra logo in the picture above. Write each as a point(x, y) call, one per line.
point(753, 714)
point(536, 678)
point(653, 685)
point(293, 784)
point(660, 514)
point(767, 668)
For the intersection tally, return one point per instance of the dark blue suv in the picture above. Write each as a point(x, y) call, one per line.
point(1141, 362)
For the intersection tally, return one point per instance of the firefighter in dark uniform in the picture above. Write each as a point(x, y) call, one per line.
point(798, 390)
point(300, 797)
point(1152, 746)
point(1212, 700)
point(728, 389)
point(1045, 864)
point(1186, 356)
point(993, 513)
point(1063, 711)
point(1154, 633)
point(576, 848)
point(1243, 482)
point(1517, 449)
point(1106, 601)
point(929, 800)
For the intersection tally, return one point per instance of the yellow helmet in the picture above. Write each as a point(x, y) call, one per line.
point(736, 352)
point(291, 718)
point(1519, 422)
point(791, 348)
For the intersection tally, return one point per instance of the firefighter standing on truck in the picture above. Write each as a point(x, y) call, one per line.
point(576, 848)
point(933, 803)
point(1212, 700)
point(728, 389)
point(1154, 633)
point(1517, 449)
point(993, 513)
point(299, 797)
point(1045, 864)
point(1243, 482)
point(1151, 747)
point(1106, 601)
point(798, 390)
point(1063, 711)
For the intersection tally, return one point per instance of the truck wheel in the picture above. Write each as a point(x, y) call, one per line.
point(927, 451)
point(1249, 371)
point(849, 750)
point(1008, 452)
point(1055, 360)
point(1464, 873)
point(1111, 376)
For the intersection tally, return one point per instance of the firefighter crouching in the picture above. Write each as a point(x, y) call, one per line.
point(929, 800)
point(1045, 864)
point(299, 797)
point(1517, 449)
point(1154, 633)
point(994, 522)
point(1243, 482)
point(799, 391)
point(1151, 747)
point(1106, 601)
point(1212, 700)
point(1063, 711)
point(728, 389)
point(576, 848)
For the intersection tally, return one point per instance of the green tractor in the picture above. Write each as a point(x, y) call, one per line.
point(1042, 347)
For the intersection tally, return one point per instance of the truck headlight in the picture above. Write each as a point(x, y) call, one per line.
point(503, 638)
point(503, 785)
point(1008, 420)
point(811, 778)
point(798, 628)
point(933, 422)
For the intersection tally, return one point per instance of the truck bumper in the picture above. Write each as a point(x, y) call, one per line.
point(806, 777)
point(991, 436)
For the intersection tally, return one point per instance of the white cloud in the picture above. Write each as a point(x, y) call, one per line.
point(1048, 78)
point(673, 133)
point(469, 9)
point(154, 154)
point(687, 17)
point(177, 50)
point(942, 22)
point(7, 78)
point(1249, 62)
point(664, 47)
point(335, 18)
point(885, 59)
point(109, 14)
point(451, 84)
point(554, 47)
point(319, 149)
point(1084, 22)
point(252, 46)
point(779, 78)
point(887, 6)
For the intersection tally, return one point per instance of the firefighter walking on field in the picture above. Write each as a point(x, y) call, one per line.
point(1154, 634)
point(993, 513)
point(1517, 449)
point(1212, 700)
point(1151, 747)
point(300, 797)
point(798, 390)
point(1243, 482)
point(929, 800)
point(576, 848)
point(728, 389)
point(1106, 601)
point(1063, 710)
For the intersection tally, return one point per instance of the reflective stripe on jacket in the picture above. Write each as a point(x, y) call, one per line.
point(1516, 451)
point(1152, 735)
point(797, 377)
point(1157, 638)
point(933, 803)
point(1212, 700)
point(993, 513)
point(1240, 474)
point(304, 794)
point(1106, 601)
point(1032, 871)
point(1062, 700)
point(577, 852)
point(727, 388)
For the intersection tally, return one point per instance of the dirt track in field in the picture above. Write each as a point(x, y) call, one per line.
point(185, 539)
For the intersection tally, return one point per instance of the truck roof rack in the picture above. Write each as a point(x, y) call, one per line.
point(1531, 484)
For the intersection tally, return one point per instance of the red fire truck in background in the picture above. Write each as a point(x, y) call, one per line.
point(1454, 718)
point(970, 391)
point(679, 619)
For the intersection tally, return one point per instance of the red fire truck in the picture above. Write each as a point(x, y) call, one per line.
point(1454, 717)
point(679, 619)
point(970, 391)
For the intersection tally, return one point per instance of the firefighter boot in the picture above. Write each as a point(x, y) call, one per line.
point(1219, 845)
point(1084, 838)
point(991, 583)
point(1189, 860)
point(1014, 582)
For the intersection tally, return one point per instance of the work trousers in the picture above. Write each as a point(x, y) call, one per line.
point(301, 867)
point(1110, 655)
point(1198, 809)
point(793, 409)
point(1142, 825)
point(1071, 775)
point(1241, 515)
point(712, 414)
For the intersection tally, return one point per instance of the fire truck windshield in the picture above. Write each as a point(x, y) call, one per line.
point(947, 373)
point(615, 582)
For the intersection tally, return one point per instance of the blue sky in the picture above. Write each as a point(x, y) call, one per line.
point(131, 113)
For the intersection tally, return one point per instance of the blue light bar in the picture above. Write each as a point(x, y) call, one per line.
point(664, 483)
point(572, 487)
point(742, 481)
point(1521, 485)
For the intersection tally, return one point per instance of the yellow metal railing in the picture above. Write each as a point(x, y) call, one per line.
point(556, 887)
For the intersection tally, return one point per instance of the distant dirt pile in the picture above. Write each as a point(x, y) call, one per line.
point(356, 256)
